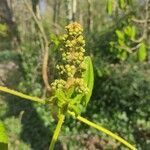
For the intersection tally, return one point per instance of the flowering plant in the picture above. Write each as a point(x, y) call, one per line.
point(72, 90)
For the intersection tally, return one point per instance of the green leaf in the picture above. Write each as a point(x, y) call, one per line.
point(122, 4)
point(75, 103)
point(128, 30)
point(110, 6)
point(60, 95)
point(3, 138)
point(88, 76)
point(77, 99)
point(123, 55)
point(133, 32)
point(3, 29)
point(121, 42)
point(69, 92)
point(120, 35)
point(142, 52)
point(99, 72)
point(55, 41)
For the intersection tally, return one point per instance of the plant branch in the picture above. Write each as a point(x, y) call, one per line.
point(45, 68)
point(144, 21)
point(57, 130)
point(136, 47)
point(46, 56)
point(36, 20)
point(139, 21)
point(146, 17)
point(130, 50)
point(19, 94)
point(140, 39)
point(100, 128)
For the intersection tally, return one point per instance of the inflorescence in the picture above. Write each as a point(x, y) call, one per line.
point(71, 65)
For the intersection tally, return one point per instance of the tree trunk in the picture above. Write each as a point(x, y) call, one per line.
point(74, 8)
point(71, 6)
point(89, 18)
point(69, 10)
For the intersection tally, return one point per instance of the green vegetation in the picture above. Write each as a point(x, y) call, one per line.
point(117, 40)
point(72, 92)
point(3, 138)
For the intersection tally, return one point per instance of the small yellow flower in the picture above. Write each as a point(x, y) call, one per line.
point(72, 55)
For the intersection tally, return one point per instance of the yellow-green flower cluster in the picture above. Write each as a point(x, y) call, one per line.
point(80, 86)
point(73, 44)
point(58, 84)
point(71, 63)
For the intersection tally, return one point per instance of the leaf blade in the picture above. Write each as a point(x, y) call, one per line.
point(142, 53)
point(3, 137)
point(88, 77)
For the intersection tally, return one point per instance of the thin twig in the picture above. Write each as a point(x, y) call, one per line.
point(46, 56)
point(139, 21)
point(36, 20)
point(144, 21)
point(140, 39)
point(130, 50)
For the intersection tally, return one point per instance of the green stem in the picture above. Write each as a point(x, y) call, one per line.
point(57, 130)
point(19, 94)
point(98, 127)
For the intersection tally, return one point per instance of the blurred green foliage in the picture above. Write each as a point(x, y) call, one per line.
point(3, 30)
point(3, 137)
point(120, 99)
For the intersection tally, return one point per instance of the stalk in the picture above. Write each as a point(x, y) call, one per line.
point(19, 94)
point(57, 131)
point(100, 128)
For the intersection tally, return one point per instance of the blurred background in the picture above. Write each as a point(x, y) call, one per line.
point(117, 34)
